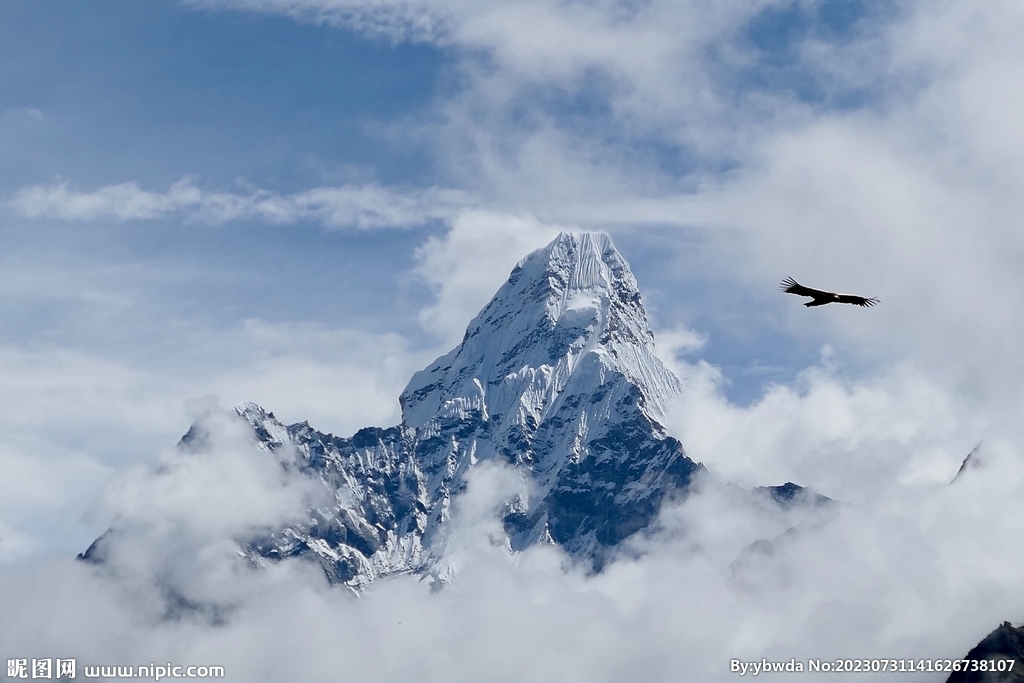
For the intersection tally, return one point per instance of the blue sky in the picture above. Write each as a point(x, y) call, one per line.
point(156, 92)
point(302, 202)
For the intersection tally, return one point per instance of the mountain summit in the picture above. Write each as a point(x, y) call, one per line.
point(556, 377)
point(567, 314)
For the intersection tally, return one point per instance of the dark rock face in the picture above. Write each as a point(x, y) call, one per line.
point(790, 494)
point(973, 461)
point(378, 521)
point(1005, 643)
point(393, 492)
point(96, 552)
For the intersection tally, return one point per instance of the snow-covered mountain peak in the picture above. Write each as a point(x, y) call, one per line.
point(569, 317)
point(556, 379)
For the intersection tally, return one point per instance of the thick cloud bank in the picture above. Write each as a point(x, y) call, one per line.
point(918, 570)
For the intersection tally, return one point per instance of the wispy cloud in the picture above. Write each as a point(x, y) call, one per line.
point(392, 19)
point(469, 263)
point(362, 207)
point(664, 69)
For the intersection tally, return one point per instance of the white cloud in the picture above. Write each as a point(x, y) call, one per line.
point(70, 419)
point(679, 341)
point(916, 573)
point(363, 207)
point(855, 204)
point(912, 197)
point(662, 72)
point(470, 262)
point(339, 380)
point(850, 440)
point(175, 524)
point(348, 379)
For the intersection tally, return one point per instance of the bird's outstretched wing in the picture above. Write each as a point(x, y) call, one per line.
point(857, 300)
point(793, 287)
point(822, 297)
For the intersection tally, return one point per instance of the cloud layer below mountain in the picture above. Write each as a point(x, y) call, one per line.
point(919, 571)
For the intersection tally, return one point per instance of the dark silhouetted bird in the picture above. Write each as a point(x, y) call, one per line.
point(820, 298)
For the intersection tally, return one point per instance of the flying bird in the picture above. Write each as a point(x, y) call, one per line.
point(820, 297)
